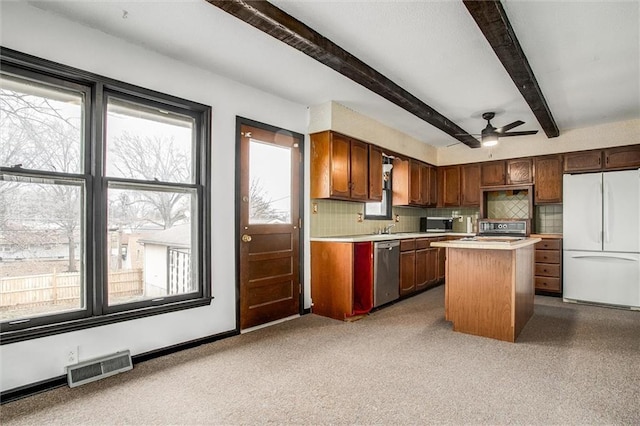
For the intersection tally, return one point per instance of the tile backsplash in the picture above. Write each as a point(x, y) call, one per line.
point(503, 205)
point(549, 219)
point(335, 218)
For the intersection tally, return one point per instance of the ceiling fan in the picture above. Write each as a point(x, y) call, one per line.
point(490, 135)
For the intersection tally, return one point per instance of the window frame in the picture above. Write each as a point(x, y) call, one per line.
point(97, 89)
point(387, 194)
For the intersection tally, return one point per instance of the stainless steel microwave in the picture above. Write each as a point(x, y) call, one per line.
point(436, 224)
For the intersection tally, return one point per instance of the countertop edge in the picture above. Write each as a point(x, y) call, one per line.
point(387, 237)
point(479, 245)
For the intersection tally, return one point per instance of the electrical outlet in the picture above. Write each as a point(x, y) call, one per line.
point(315, 208)
point(72, 355)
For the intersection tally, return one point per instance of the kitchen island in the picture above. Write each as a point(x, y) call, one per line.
point(489, 286)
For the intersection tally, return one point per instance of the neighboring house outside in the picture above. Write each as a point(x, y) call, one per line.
point(56, 247)
point(167, 262)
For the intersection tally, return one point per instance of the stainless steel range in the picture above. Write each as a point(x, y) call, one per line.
point(504, 227)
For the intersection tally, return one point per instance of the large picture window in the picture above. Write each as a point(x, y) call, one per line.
point(104, 206)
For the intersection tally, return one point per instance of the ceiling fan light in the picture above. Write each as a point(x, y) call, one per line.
point(490, 140)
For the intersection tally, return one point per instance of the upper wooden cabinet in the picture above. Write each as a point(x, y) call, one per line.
point(470, 185)
point(415, 183)
point(433, 186)
point(583, 161)
point(339, 167)
point(412, 183)
point(622, 157)
point(493, 173)
point(617, 158)
point(548, 179)
point(519, 171)
point(359, 177)
point(375, 173)
point(449, 186)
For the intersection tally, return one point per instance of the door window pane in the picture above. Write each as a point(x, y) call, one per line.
point(42, 257)
point(41, 126)
point(148, 144)
point(150, 241)
point(270, 183)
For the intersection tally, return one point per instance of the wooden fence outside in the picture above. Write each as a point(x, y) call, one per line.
point(55, 288)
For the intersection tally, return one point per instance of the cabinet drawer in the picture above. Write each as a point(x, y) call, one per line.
point(408, 244)
point(548, 244)
point(548, 284)
point(422, 243)
point(547, 256)
point(547, 270)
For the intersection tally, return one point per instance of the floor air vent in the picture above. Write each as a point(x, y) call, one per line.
point(98, 368)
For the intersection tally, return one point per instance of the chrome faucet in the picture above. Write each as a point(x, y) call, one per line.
point(388, 228)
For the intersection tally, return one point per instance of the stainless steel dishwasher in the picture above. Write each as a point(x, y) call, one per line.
point(386, 272)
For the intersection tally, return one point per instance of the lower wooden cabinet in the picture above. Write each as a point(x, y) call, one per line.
point(342, 279)
point(548, 266)
point(419, 265)
point(407, 267)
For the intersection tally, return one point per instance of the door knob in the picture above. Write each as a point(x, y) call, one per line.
point(246, 238)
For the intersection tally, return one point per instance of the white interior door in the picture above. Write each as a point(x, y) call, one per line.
point(582, 212)
point(621, 210)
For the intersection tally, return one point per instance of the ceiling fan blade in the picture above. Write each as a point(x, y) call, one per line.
point(509, 126)
point(528, 132)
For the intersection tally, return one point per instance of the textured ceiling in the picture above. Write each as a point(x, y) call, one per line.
point(586, 55)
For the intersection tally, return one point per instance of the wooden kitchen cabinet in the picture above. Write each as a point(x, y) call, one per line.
point(415, 183)
point(616, 158)
point(433, 186)
point(422, 246)
point(548, 266)
point(412, 183)
point(339, 167)
point(470, 185)
point(449, 186)
point(375, 173)
point(425, 184)
point(432, 266)
point(407, 267)
point(548, 179)
point(519, 171)
point(622, 157)
point(583, 161)
point(342, 279)
point(359, 176)
point(493, 173)
point(419, 267)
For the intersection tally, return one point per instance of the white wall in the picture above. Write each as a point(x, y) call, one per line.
point(601, 136)
point(49, 36)
point(337, 117)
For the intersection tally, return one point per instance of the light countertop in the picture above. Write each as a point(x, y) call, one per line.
point(546, 235)
point(488, 243)
point(388, 237)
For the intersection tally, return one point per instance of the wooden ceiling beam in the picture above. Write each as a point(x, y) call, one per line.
point(275, 22)
point(494, 24)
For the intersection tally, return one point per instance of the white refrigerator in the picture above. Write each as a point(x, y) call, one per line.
point(601, 238)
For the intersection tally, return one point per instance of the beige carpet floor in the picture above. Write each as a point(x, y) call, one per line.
point(572, 364)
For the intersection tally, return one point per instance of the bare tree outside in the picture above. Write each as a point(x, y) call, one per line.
point(153, 158)
point(36, 134)
point(261, 205)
